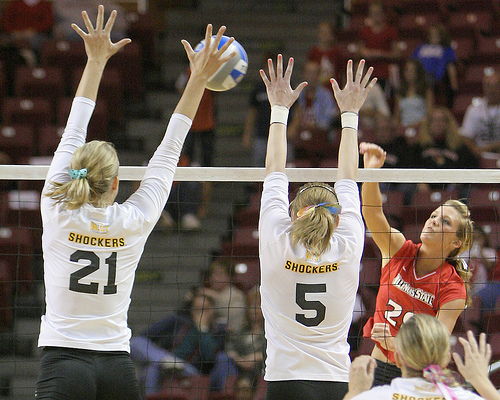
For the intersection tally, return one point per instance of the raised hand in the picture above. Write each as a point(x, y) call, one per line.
point(373, 155)
point(476, 358)
point(279, 90)
point(209, 59)
point(98, 45)
point(361, 374)
point(382, 334)
point(352, 97)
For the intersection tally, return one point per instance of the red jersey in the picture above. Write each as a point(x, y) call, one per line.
point(379, 41)
point(328, 61)
point(402, 294)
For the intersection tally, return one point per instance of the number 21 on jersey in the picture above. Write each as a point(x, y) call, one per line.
point(94, 264)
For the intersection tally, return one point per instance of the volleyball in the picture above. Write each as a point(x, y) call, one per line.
point(231, 72)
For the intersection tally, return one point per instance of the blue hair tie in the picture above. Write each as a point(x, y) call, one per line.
point(334, 209)
point(77, 173)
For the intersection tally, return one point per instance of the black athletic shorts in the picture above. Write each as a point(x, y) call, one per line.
point(306, 390)
point(385, 373)
point(74, 374)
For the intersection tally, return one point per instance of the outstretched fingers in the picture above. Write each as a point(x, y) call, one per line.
point(100, 18)
point(270, 66)
point(110, 22)
point(289, 69)
point(86, 20)
point(349, 72)
point(359, 71)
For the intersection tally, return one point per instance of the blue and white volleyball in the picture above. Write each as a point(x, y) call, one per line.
point(231, 72)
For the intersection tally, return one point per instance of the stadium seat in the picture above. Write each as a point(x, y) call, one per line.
point(34, 112)
point(98, 126)
point(393, 205)
point(416, 25)
point(415, 7)
point(489, 162)
point(313, 146)
point(244, 243)
point(47, 82)
point(370, 250)
point(464, 48)
point(473, 79)
point(484, 204)
point(142, 28)
point(246, 273)
point(469, 23)
point(18, 142)
point(423, 203)
point(460, 104)
point(66, 55)
point(129, 62)
point(3, 85)
point(412, 232)
point(454, 6)
point(249, 216)
point(369, 281)
point(111, 90)
point(6, 288)
point(407, 46)
point(49, 138)
point(488, 49)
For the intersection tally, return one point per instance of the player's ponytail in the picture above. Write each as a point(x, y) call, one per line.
point(92, 168)
point(315, 212)
point(464, 234)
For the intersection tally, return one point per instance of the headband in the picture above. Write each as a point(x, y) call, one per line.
point(334, 209)
point(77, 173)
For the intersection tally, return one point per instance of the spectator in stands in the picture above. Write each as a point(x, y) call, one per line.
point(378, 44)
point(185, 342)
point(202, 135)
point(67, 11)
point(481, 124)
point(245, 387)
point(439, 61)
point(243, 353)
point(315, 111)
point(414, 98)
point(326, 53)
point(423, 353)
point(256, 127)
point(428, 277)
point(375, 108)
point(183, 203)
point(230, 301)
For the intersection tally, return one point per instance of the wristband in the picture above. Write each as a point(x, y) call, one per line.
point(349, 119)
point(279, 115)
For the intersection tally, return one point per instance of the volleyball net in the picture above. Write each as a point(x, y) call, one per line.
point(178, 257)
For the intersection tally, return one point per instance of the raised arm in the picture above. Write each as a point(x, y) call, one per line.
point(99, 49)
point(388, 240)
point(203, 64)
point(350, 99)
point(281, 97)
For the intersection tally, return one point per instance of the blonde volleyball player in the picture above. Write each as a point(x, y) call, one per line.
point(427, 277)
point(310, 252)
point(91, 244)
point(423, 353)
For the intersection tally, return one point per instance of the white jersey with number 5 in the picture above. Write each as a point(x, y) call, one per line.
point(91, 254)
point(308, 301)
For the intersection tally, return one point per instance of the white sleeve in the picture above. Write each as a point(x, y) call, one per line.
point(351, 225)
point(274, 219)
point(470, 121)
point(155, 187)
point(73, 137)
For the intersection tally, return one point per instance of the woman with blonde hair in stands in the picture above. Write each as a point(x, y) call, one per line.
point(310, 252)
point(423, 353)
point(91, 244)
point(428, 277)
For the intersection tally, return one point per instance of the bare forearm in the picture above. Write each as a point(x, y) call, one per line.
point(486, 389)
point(91, 78)
point(190, 99)
point(348, 154)
point(276, 149)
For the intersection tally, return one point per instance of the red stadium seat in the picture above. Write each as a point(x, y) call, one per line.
point(246, 273)
point(464, 48)
point(111, 90)
point(412, 232)
point(469, 23)
point(484, 204)
point(98, 126)
point(460, 104)
point(249, 216)
point(393, 204)
point(18, 142)
point(49, 138)
point(3, 85)
point(245, 243)
point(6, 288)
point(489, 162)
point(65, 55)
point(407, 46)
point(370, 251)
point(454, 6)
point(129, 62)
point(416, 25)
point(369, 281)
point(474, 75)
point(35, 112)
point(424, 203)
point(314, 146)
point(488, 49)
point(45, 82)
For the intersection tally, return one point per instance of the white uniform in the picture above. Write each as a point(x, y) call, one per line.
point(308, 302)
point(413, 388)
point(91, 254)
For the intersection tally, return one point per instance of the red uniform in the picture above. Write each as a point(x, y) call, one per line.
point(379, 41)
point(402, 294)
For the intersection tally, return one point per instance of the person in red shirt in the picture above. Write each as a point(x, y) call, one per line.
point(423, 278)
point(377, 43)
point(326, 53)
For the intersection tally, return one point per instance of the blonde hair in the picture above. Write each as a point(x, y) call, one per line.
point(464, 233)
point(315, 228)
point(101, 161)
point(453, 139)
point(422, 341)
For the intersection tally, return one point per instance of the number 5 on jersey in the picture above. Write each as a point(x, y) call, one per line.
point(94, 265)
